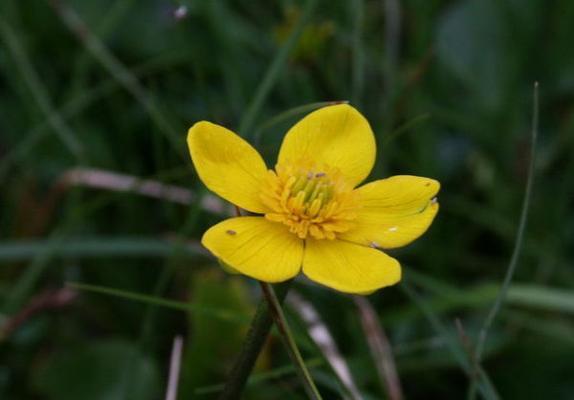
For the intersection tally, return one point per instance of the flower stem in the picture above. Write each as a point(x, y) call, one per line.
point(285, 331)
point(269, 310)
point(258, 332)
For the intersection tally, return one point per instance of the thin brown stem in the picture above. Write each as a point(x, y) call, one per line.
point(380, 348)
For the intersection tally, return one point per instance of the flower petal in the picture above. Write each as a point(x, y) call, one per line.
point(348, 267)
point(227, 165)
point(338, 136)
point(394, 211)
point(256, 247)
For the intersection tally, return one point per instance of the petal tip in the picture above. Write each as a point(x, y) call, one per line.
point(227, 164)
point(434, 185)
point(198, 128)
point(350, 268)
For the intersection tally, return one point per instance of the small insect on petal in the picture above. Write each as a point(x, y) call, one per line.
point(231, 232)
point(393, 229)
point(320, 174)
point(374, 245)
point(434, 200)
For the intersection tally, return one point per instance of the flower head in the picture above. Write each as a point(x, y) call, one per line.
point(310, 214)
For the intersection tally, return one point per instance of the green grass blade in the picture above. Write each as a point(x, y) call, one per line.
point(517, 244)
point(544, 298)
point(39, 91)
point(357, 7)
point(83, 62)
point(256, 336)
point(484, 384)
point(120, 73)
point(289, 341)
point(448, 299)
point(75, 106)
point(25, 284)
point(94, 248)
point(272, 74)
point(160, 302)
point(404, 128)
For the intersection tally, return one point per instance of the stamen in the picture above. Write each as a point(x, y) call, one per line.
point(313, 203)
point(315, 207)
point(316, 192)
point(299, 183)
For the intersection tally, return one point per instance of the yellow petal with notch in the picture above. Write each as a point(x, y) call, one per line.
point(337, 136)
point(256, 247)
point(227, 165)
point(348, 267)
point(393, 212)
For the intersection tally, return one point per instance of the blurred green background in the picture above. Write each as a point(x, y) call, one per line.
point(96, 96)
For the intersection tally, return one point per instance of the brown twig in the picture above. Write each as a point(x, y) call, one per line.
point(174, 367)
point(43, 302)
point(322, 337)
point(467, 345)
point(381, 349)
point(103, 179)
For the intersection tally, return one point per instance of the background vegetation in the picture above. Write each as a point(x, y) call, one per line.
point(92, 89)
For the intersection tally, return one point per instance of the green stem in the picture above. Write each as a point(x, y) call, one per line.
point(258, 332)
point(502, 294)
point(283, 326)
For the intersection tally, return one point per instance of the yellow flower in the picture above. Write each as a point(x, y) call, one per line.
point(310, 214)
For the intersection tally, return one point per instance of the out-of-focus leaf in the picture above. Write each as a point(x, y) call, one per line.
point(472, 42)
point(214, 342)
point(96, 372)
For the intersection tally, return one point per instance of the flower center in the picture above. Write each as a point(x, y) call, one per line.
point(309, 199)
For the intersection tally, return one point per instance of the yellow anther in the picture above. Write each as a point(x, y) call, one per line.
point(309, 202)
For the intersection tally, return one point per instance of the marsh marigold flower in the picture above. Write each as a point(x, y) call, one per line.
point(309, 214)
